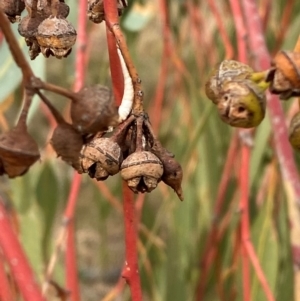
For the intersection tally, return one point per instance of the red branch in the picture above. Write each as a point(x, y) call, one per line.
point(116, 71)
point(17, 261)
point(131, 271)
point(72, 282)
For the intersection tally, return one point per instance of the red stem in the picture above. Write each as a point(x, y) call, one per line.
point(131, 272)
point(5, 288)
point(116, 71)
point(17, 261)
point(72, 281)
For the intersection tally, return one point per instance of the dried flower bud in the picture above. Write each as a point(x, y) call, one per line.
point(67, 143)
point(142, 171)
point(294, 131)
point(242, 104)
point(173, 173)
point(13, 9)
point(56, 36)
point(101, 158)
point(285, 76)
point(94, 110)
point(226, 71)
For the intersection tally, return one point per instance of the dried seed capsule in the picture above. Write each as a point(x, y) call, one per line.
point(56, 36)
point(94, 110)
point(142, 171)
point(46, 10)
point(285, 76)
point(18, 151)
point(67, 143)
point(12, 9)
point(242, 104)
point(101, 158)
point(28, 29)
point(226, 71)
point(294, 131)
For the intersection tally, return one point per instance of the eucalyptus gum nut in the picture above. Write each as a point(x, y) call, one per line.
point(226, 71)
point(56, 36)
point(242, 104)
point(142, 171)
point(94, 110)
point(67, 143)
point(294, 131)
point(101, 157)
point(18, 151)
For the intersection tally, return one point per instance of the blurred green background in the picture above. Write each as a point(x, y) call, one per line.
point(172, 234)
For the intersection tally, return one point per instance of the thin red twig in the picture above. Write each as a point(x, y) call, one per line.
point(72, 281)
point(229, 52)
point(244, 209)
point(284, 24)
point(17, 261)
point(210, 244)
point(161, 82)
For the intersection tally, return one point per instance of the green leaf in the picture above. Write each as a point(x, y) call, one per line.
point(47, 194)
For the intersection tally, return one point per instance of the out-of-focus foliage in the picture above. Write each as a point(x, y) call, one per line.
point(172, 233)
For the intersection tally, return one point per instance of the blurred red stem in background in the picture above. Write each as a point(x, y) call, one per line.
point(262, 62)
point(131, 270)
point(244, 210)
point(17, 261)
point(5, 288)
point(242, 32)
point(210, 244)
point(161, 82)
point(284, 24)
point(229, 53)
point(72, 281)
